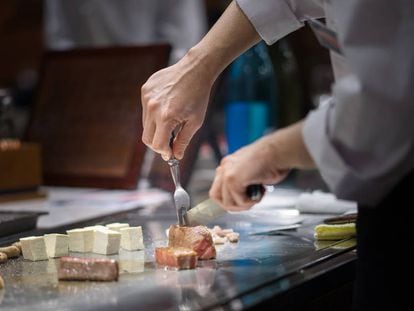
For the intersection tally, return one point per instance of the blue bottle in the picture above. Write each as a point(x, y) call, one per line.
point(251, 98)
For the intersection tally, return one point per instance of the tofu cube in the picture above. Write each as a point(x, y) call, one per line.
point(34, 248)
point(106, 242)
point(116, 226)
point(57, 245)
point(95, 227)
point(131, 238)
point(81, 240)
point(131, 262)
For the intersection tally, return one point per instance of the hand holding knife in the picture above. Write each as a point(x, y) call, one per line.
point(207, 210)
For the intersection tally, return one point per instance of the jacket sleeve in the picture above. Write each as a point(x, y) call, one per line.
point(274, 19)
point(362, 141)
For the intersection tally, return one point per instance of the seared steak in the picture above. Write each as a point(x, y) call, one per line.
point(197, 238)
point(176, 257)
point(88, 269)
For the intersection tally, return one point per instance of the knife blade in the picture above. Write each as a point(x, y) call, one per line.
point(207, 211)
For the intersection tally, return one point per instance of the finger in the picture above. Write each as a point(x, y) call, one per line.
point(228, 201)
point(215, 190)
point(148, 133)
point(161, 140)
point(144, 110)
point(241, 200)
point(183, 139)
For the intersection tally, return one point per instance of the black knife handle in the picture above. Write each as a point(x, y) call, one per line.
point(255, 192)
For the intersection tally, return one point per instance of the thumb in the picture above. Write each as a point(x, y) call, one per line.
point(183, 139)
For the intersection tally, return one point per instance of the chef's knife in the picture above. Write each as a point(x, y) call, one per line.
point(206, 211)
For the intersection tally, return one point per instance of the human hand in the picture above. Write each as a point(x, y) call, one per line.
point(177, 95)
point(253, 164)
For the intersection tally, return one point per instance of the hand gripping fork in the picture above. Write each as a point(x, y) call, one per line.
point(181, 197)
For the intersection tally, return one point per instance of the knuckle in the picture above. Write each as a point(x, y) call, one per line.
point(223, 161)
point(226, 160)
point(165, 116)
point(230, 177)
point(157, 146)
point(152, 105)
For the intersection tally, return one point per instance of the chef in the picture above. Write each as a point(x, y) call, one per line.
point(362, 140)
point(94, 23)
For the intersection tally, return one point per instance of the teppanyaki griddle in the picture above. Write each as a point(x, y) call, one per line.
point(15, 222)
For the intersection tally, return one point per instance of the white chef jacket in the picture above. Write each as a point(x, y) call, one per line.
point(89, 23)
point(362, 140)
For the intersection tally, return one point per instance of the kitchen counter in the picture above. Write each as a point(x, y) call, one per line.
point(284, 269)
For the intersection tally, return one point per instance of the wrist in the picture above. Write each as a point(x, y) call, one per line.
point(206, 63)
point(288, 148)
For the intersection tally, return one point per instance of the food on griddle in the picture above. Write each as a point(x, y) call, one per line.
point(1, 282)
point(3, 258)
point(116, 226)
point(34, 248)
point(176, 257)
point(197, 238)
point(88, 269)
point(80, 240)
point(335, 232)
point(18, 245)
point(106, 242)
point(217, 240)
point(343, 219)
point(233, 237)
point(131, 262)
point(220, 235)
point(131, 238)
point(11, 251)
point(57, 245)
point(221, 232)
point(96, 227)
point(345, 244)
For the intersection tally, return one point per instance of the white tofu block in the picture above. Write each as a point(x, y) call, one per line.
point(116, 226)
point(57, 245)
point(131, 262)
point(34, 248)
point(132, 239)
point(106, 242)
point(95, 227)
point(81, 240)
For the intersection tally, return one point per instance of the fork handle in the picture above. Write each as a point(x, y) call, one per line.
point(174, 134)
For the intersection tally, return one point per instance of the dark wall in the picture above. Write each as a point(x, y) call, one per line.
point(20, 39)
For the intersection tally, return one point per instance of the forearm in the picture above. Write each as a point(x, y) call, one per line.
point(228, 38)
point(287, 148)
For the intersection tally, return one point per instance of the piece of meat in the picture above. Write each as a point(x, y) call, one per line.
point(220, 231)
point(197, 238)
point(88, 269)
point(218, 239)
point(176, 257)
point(233, 237)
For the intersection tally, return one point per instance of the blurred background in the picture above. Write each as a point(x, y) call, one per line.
point(284, 81)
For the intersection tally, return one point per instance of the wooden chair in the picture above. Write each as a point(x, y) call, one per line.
point(87, 115)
